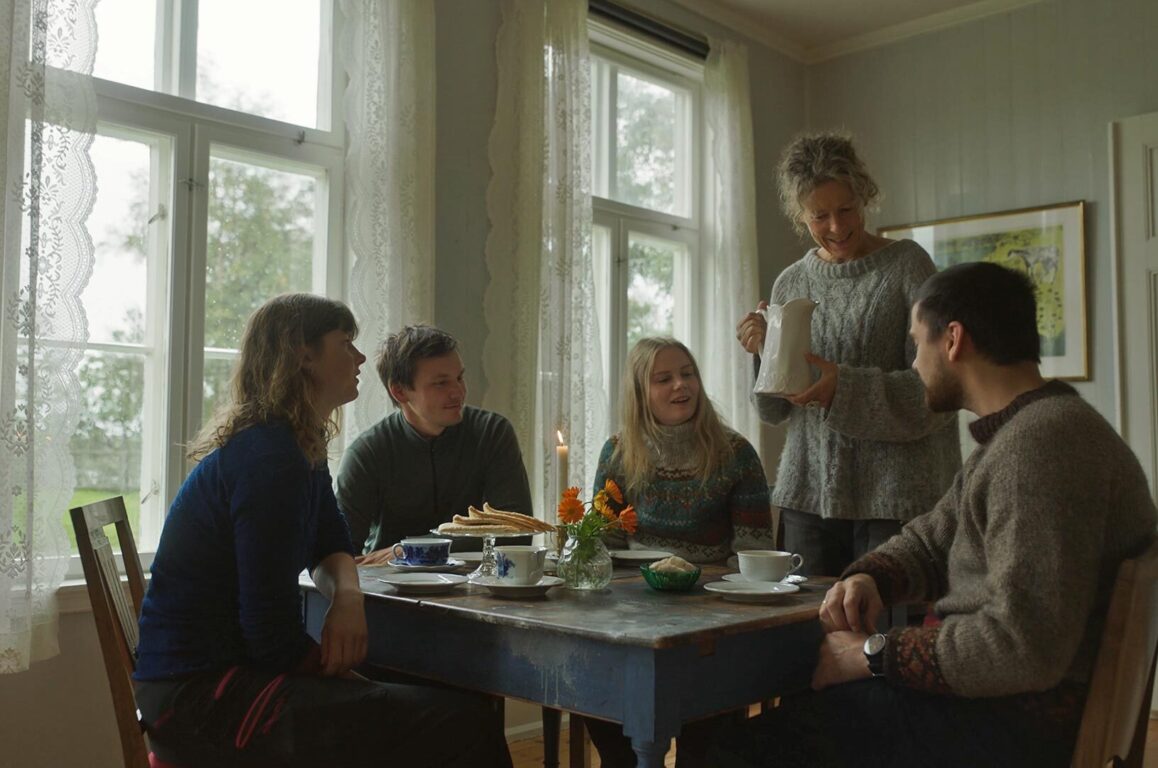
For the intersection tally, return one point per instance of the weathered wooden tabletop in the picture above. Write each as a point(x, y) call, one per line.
point(650, 660)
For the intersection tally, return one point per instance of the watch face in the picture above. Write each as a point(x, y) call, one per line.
point(874, 644)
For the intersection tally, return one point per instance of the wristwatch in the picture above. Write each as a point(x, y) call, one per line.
point(874, 652)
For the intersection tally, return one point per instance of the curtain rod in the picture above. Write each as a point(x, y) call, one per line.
point(688, 43)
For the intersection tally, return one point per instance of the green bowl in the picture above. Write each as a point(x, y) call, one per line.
point(670, 582)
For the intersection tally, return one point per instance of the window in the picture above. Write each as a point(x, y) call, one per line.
point(218, 161)
point(645, 105)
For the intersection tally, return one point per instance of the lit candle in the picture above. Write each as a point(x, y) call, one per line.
point(561, 451)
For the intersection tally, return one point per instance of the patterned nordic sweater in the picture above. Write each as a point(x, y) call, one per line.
point(700, 522)
point(1020, 555)
point(877, 452)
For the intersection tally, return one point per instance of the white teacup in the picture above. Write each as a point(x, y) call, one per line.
point(520, 564)
point(768, 564)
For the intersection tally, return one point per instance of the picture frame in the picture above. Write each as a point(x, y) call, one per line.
point(1048, 244)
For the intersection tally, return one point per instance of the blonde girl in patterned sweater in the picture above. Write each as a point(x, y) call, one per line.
point(698, 488)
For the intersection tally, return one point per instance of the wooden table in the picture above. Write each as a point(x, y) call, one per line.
point(650, 660)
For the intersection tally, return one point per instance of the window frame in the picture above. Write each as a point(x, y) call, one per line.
point(641, 57)
point(176, 295)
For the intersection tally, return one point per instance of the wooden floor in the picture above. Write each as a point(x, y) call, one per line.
point(528, 753)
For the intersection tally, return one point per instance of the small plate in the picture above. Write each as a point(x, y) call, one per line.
point(502, 589)
point(450, 564)
point(638, 555)
point(423, 583)
point(470, 557)
point(751, 591)
point(740, 578)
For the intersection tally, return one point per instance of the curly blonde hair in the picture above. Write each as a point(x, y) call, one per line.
point(814, 159)
point(639, 424)
point(268, 382)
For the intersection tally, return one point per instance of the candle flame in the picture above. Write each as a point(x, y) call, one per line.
point(559, 433)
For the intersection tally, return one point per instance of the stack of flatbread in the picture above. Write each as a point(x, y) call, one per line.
point(494, 521)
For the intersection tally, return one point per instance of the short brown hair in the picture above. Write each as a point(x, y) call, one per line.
point(399, 354)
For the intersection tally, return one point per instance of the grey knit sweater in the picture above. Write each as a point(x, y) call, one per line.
point(877, 452)
point(1020, 555)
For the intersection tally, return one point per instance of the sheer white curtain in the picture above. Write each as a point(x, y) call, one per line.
point(388, 55)
point(541, 357)
point(47, 120)
point(731, 275)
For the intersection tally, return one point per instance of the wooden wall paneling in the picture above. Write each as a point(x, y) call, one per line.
point(1025, 106)
point(948, 116)
point(1052, 117)
point(995, 41)
point(927, 82)
point(974, 97)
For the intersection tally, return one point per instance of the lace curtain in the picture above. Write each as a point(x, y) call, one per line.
point(729, 236)
point(541, 357)
point(388, 53)
point(47, 120)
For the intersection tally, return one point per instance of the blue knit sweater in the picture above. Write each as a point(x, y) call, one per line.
point(224, 586)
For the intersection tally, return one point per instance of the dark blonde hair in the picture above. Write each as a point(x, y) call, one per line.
point(639, 424)
point(814, 159)
point(268, 381)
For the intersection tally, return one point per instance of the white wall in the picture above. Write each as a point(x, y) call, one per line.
point(59, 713)
point(1010, 111)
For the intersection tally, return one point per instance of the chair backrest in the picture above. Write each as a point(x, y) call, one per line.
point(1113, 729)
point(114, 613)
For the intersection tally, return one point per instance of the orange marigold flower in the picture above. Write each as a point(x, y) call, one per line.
point(571, 493)
point(570, 509)
point(601, 506)
point(605, 509)
point(613, 491)
point(627, 520)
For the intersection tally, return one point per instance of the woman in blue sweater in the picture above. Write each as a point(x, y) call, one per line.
point(226, 674)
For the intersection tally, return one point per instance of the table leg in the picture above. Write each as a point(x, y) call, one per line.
point(551, 721)
point(578, 748)
point(649, 754)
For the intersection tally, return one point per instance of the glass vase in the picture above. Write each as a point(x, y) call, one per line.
point(585, 563)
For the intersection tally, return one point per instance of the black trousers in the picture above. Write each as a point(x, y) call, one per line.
point(872, 724)
point(251, 717)
point(828, 546)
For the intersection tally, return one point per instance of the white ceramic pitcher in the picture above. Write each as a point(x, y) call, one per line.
point(783, 369)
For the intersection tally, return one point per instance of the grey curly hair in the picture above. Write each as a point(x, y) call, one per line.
point(813, 159)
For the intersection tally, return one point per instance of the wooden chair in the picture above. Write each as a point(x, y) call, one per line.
point(1113, 729)
point(115, 613)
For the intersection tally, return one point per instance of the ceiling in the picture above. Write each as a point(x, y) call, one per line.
point(815, 30)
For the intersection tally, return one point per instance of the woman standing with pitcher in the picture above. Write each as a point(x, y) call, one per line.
point(864, 454)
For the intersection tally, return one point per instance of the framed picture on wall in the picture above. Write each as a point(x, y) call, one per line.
point(1046, 243)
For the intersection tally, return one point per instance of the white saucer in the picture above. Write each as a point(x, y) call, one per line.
point(751, 591)
point(450, 564)
point(500, 588)
point(423, 583)
point(740, 578)
point(638, 555)
point(470, 557)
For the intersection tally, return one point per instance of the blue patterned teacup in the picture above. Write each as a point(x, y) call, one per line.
point(520, 564)
point(422, 551)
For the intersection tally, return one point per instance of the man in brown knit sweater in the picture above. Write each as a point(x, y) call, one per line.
point(1018, 558)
